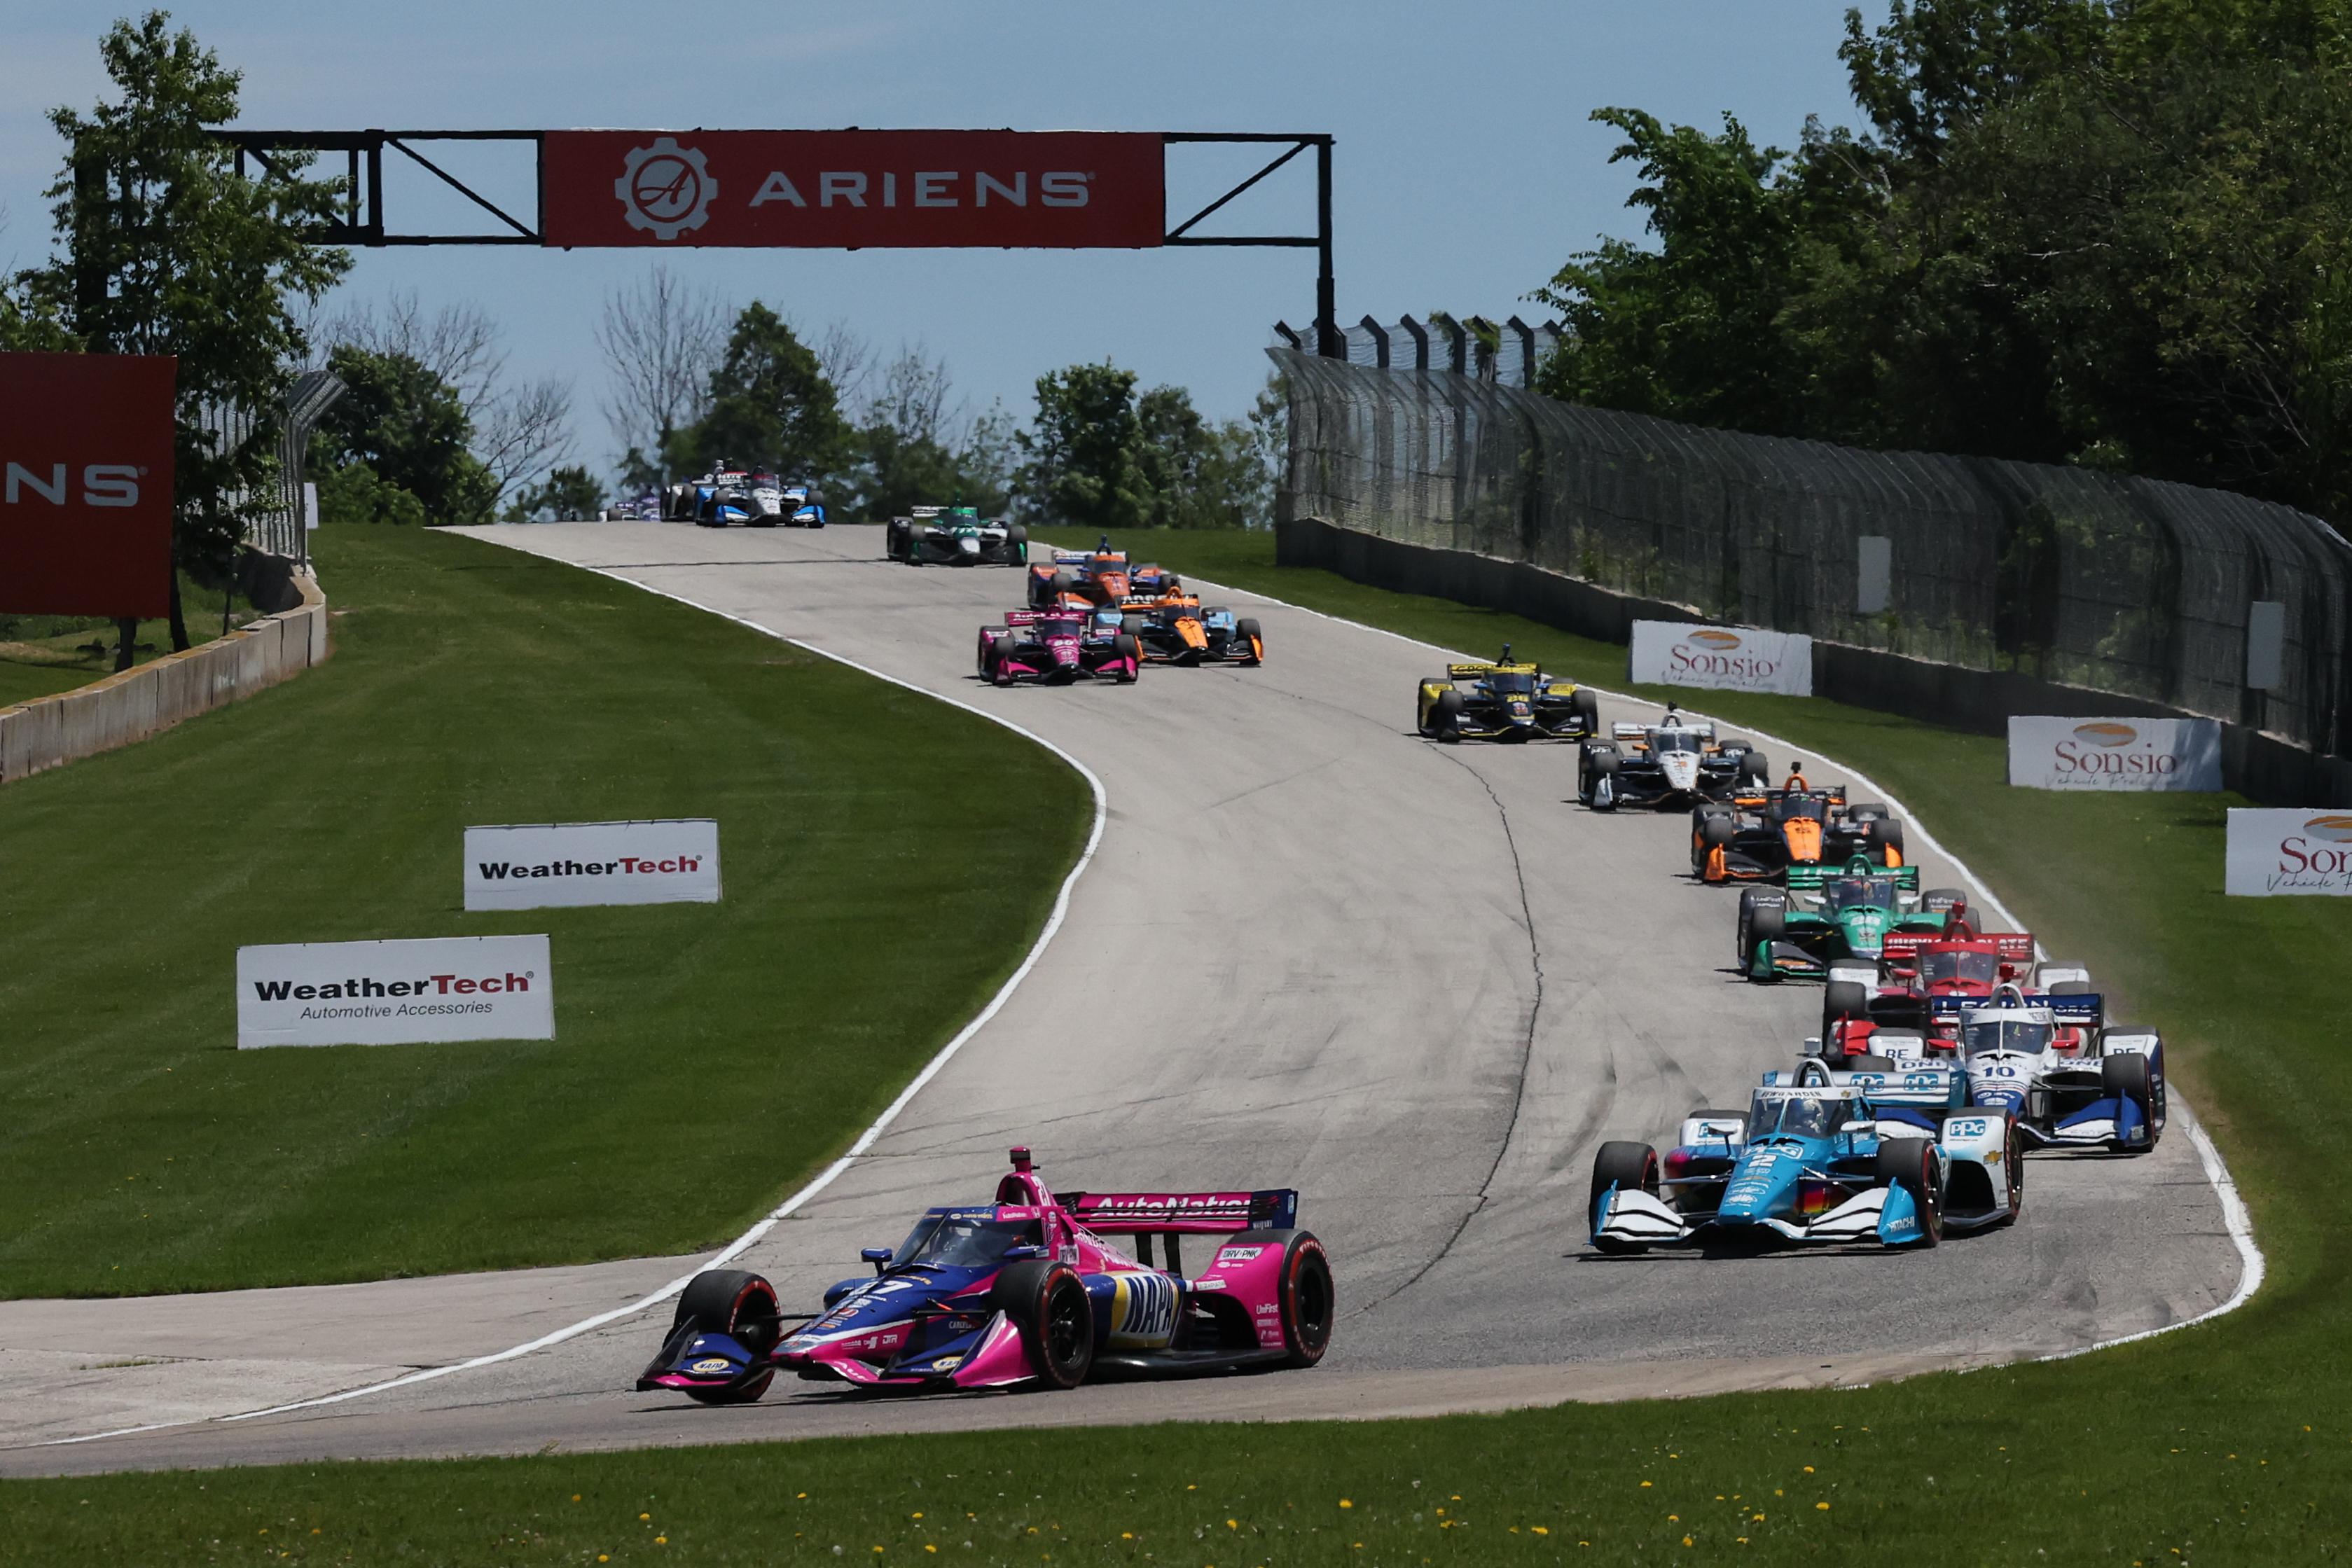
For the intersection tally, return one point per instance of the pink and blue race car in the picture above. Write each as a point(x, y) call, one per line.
point(1026, 1291)
point(1057, 646)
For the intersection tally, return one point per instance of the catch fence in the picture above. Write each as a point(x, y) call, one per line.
point(2199, 600)
point(275, 518)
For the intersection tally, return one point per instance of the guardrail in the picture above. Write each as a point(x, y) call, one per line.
point(52, 731)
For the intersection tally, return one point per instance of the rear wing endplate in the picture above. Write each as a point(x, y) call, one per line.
point(1185, 1213)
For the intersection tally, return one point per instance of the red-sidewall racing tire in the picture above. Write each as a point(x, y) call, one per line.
point(1304, 1292)
point(1048, 1303)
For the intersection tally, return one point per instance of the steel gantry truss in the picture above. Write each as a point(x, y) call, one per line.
point(365, 221)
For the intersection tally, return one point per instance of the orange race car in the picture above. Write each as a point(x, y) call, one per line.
point(1759, 835)
point(1175, 630)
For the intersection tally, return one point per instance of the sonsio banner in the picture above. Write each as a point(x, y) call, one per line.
point(1683, 654)
point(2274, 853)
point(1054, 189)
point(395, 993)
point(86, 484)
point(565, 863)
point(2114, 753)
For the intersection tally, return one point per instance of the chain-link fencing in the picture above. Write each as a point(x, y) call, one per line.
point(274, 519)
point(2132, 586)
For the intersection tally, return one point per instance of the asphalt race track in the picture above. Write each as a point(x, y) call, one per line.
point(1415, 981)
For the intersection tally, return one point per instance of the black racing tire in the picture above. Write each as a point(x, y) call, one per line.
point(1862, 811)
point(1769, 923)
point(1065, 580)
point(1309, 1306)
point(1752, 899)
point(1911, 1163)
point(1883, 834)
point(999, 652)
point(1599, 762)
point(1755, 769)
point(1841, 999)
point(1620, 1164)
point(1016, 539)
point(2128, 1077)
point(1445, 719)
point(1247, 630)
point(1048, 1303)
point(1127, 643)
point(1132, 625)
point(2073, 989)
point(740, 1305)
point(1944, 898)
point(1587, 709)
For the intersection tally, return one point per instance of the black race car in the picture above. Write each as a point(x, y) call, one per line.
point(955, 536)
point(1504, 701)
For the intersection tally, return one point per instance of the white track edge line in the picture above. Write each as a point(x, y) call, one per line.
point(2251, 1265)
point(825, 1177)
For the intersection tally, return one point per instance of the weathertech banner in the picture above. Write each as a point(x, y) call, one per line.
point(569, 863)
point(2114, 753)
point(395, 993)
point(2274, 853)
point(86, 484)
point(1742, 659)
point(1052, 189)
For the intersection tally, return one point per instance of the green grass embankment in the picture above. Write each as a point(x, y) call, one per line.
point(42, 655)
point(2230, 1443)
point(709, 1057)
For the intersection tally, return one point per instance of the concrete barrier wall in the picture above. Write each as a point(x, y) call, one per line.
point(2261, 767)
point(138, 703)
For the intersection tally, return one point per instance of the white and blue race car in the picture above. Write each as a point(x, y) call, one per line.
point(1897, 1158)
point(2066, 1086)
point(730, 495)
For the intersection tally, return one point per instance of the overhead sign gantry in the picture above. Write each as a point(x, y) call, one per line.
point(832, 189)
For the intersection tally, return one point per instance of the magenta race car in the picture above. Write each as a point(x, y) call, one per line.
point(1059, 645)
point(1025, 1291)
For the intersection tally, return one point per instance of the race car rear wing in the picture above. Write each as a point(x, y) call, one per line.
point(1475, 672)
point(1185, 1213)
point(2015, 947)
point(1810, 878)
point(1913, 1084)
point(2079, 1009)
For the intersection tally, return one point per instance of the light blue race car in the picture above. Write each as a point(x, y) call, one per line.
point(1893, 1157)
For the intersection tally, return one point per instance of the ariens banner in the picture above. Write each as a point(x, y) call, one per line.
point(86, 484)
point(2114, 753)
point(562, 865)
point(1049, 189)
point(395, 993)
point(2274, 853)
point(1741, 658)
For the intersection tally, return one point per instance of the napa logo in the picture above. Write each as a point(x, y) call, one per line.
point(2105, 734)
point(1142, 1311)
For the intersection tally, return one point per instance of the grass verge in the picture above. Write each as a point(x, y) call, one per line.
point(2227, 1443)
point(41, 655)
point(708, 1058)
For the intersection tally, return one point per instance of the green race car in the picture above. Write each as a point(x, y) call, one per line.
point(1827, 916)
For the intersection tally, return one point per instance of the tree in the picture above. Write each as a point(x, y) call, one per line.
point(1084, 450)
point(167, 250)
point(1102, 457)
point(408, 427)
point(514, 429)
point(770, 403)
point(661, 340)
point(568, 493)
point(2068, 231)
point(913, 446)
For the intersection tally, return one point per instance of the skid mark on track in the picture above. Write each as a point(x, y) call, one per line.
point(1527, 1044)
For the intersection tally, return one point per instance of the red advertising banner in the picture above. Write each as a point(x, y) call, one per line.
point(832, 189)
point(86, 484)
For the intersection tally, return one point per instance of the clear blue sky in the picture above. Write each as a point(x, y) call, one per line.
point(1465, 170)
